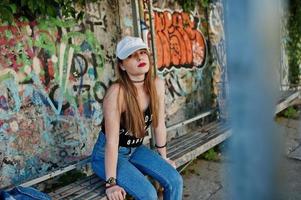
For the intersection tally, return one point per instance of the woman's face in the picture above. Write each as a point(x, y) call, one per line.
point(136, 64)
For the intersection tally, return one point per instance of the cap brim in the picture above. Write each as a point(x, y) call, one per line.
point(130, 51)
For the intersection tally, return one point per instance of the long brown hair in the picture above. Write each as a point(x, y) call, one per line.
point(134, 117)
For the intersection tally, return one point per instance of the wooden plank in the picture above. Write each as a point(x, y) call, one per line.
point(180, 139)
point(100, 197)
point(75, 187)
point(175, 154)
point(197, 143)
point(72, 185)
point(97, 196)
point(191, 145)
point(201, 149)
point(296, 154)
point(193, 137)
point(286, 99)
point(87, 192)
point(79, 188)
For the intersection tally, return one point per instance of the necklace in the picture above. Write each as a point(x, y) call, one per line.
point(141, 81)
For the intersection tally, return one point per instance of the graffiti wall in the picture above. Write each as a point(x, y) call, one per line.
point(185, 43)
point(179, 43)
point(218, 51)
point(53, 76)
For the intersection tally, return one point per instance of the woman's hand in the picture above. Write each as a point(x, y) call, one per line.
point(115, 193)
point(171, 162)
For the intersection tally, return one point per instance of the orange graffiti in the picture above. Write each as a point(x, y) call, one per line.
point(178, 42)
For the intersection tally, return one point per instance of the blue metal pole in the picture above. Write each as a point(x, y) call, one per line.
point(253, 50)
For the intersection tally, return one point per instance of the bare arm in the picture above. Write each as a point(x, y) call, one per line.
point(112, 111)
point(160, 130)
point(111, 108)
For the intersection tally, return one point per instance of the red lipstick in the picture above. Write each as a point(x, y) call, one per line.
point(142, 64)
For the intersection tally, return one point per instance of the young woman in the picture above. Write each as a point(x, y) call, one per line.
point(131, 105)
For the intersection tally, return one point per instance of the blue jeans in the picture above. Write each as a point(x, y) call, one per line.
point(132, 166)
point(23, 193)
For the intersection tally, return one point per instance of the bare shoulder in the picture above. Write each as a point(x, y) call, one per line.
point(160, 85)
point(113, 97)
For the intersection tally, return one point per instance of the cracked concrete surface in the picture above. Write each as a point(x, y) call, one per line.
point(205, 180)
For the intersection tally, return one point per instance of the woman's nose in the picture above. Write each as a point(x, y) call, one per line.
point(138, 56)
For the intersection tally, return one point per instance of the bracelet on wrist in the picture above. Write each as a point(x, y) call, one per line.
point(109, 186)
point(159, 147)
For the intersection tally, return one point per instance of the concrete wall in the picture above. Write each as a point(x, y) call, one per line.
point(53, 76)
point(218, 52)
point(284, 66)
point(190, 49)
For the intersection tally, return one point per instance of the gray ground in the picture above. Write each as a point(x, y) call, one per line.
point(205, 179)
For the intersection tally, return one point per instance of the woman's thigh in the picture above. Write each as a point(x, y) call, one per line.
point(151, 163)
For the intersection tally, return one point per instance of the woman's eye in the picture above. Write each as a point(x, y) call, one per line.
point(130, 56)
point(143, 52)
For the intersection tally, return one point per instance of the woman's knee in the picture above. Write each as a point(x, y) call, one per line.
point(179, 180)
point(175, 182)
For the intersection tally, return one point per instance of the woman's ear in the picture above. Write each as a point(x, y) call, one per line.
point(122, 67)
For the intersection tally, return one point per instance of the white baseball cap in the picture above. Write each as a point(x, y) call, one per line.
point(129, 45)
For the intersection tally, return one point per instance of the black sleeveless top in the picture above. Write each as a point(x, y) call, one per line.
point(126, 138)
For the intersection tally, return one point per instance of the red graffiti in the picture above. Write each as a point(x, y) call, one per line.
point(13, 38)
point(178, 41)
